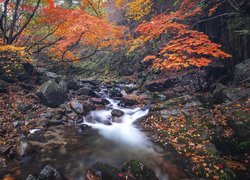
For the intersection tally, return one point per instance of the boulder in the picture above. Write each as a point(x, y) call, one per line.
point(117, 113)
point(241, 72)
point(52, 93)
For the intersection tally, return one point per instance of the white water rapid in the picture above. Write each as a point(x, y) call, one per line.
point(124, 132)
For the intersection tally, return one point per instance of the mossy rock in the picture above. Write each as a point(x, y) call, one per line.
point(138, 170)
point(109, 172)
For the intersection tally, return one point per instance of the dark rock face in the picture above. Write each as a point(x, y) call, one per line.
point(242, 72)
point(52, 93)
point(138, 170)
point(117, 113)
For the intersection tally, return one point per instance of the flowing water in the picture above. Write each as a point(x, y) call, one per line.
point(75, 149)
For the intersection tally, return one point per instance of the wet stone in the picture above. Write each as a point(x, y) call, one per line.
point(117, 113)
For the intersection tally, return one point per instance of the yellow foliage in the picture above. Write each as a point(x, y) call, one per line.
point(11, 58)
point(138, 9)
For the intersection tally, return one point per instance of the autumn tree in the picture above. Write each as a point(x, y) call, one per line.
point(71, 29)
point(15, 17)
point(182, 46)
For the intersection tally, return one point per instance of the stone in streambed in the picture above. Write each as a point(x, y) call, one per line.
point(78, 107)
point(117, 113)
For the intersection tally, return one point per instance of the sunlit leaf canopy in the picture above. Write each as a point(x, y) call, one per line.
point(65, 28)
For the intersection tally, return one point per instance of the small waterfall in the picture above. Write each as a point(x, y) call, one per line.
point(124, 132)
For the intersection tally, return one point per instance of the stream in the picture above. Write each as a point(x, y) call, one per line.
point(76, 148)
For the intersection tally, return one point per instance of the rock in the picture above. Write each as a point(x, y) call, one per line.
point(73, 84)
point(100, 101)
point(241, 128)
point(72, 116)
point(117, 113)
point(31, 177)
point(29, 68)
point(49, 173)
point(25, 148)
point(37, 136)
point(107, 172)
point(138, 170)
point(25, 107)
point(236, 94)
point(83, 91)
point(78, 107)
point(54, 123)
point(167, 113)
point(52, 94)
point(51, 75)
point(217, 93)
point(193, 104)
point(3, 87)
point(127, 102)
point(241, 72)
point(26, 86)
point(161, 86)
point(115, 93)
point(106, 122)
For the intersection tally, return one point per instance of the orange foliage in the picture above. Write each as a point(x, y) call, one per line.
point(74, 29)
point(184, 47)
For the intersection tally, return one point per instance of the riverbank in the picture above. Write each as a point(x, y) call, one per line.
point(196, 134)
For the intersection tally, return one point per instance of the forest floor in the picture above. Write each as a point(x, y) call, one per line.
point(213, 140)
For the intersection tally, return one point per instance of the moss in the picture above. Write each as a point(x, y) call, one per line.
point(244, 145)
